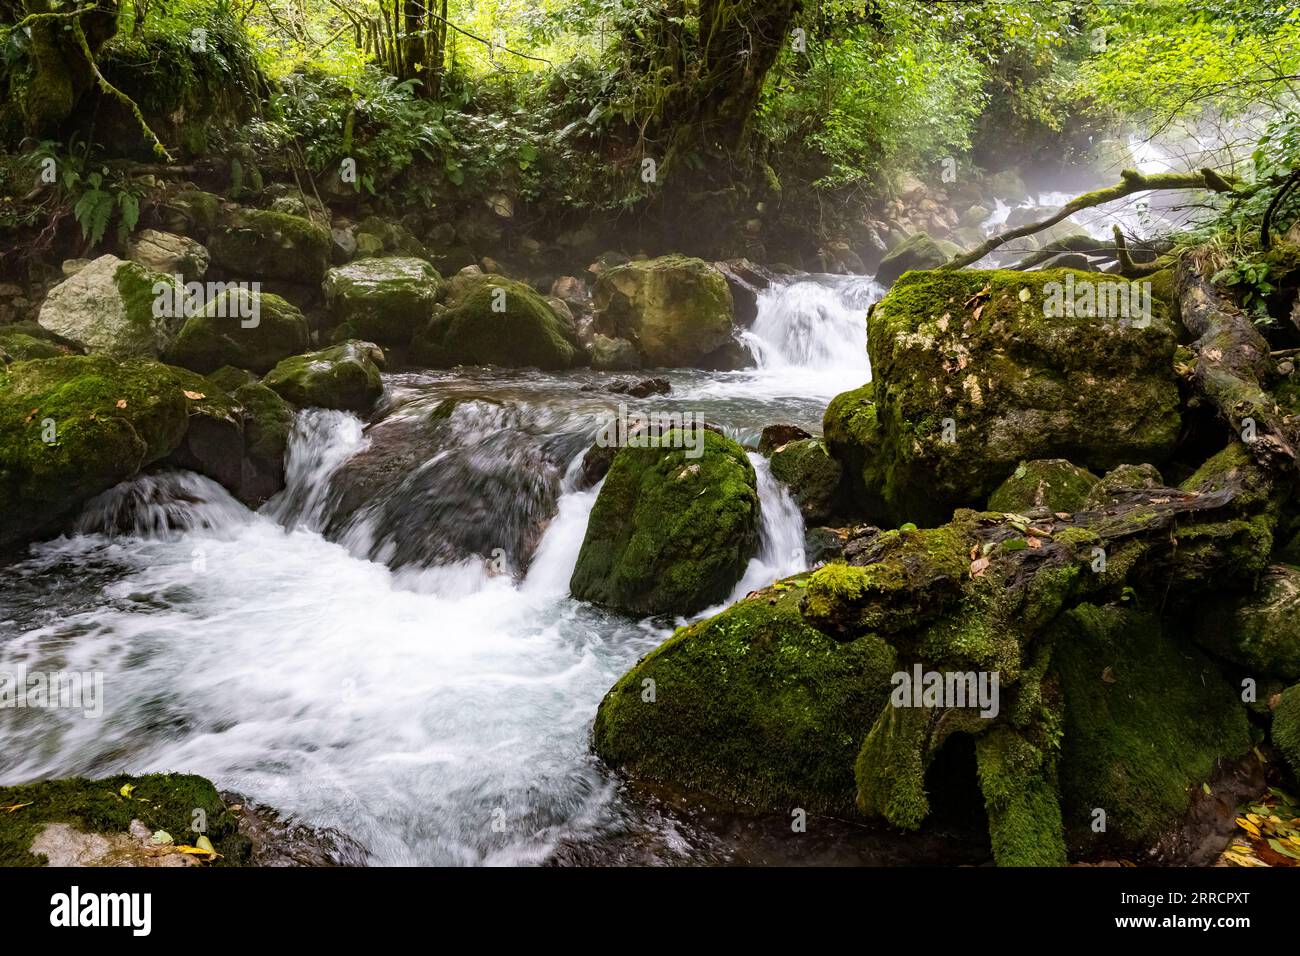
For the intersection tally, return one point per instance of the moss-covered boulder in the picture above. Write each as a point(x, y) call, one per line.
point(811, 474)
point(72, 427)
point(262, 244)
point(852, 435)
point(108, 307)
point(675, 310)
point(342, 376)
point(1052, 485)
point(268, 420)
point(752, 706)
point(1260, 632)
point(1286, 727)
point(241, 328)
point(497, 321)
point(1107, 491)
point(21, 341)
point(1146, 717)
point(917, 251)
point(382, 300)
point(978, 371)
point(124, 813)
point(671, 531)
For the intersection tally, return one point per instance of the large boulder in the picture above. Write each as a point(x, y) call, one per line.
point(1286, 726)
point(110, 306)
point(21, 341)
point(241, 328)
point(851, 433)
point(673, 527)
point(753, 706)
point(344, 377)
point(268, 420)
point(262, 244)
point(676, 310)
point(168, 253)
point(497, 321)
point(917, 251)
point(978, 371)
point(73, 427)
point(382, 300)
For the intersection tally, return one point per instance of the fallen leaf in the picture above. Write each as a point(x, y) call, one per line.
point(1108, 675)
point(121, 403)
point(12, 808)
point(979, 566)
point(127, 790)
point(193, 396)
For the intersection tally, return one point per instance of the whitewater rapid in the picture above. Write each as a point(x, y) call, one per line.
point(436, 714)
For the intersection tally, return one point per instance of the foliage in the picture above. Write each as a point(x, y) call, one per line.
point(98, 197)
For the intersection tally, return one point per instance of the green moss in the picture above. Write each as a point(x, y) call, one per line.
point(890, 767)
point(23, 341)
point(973, 376)
point(255, 243)
point(670, 533)
point(852, 436)
point(812, 476)
point(268, 420)
point(383, 300)
point(1286, 727)
point(160, 801)
point(751, 706)
point(343, 377)
point(1019, 785)
point(1260, 631)
point(221, 336)
point(497, 322)
point(1052, 484)
point(109, 420)
point(1146, 718)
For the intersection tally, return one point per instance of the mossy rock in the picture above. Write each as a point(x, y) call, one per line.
point(670, 532)
point(675, 310)
point(344, 377)
point(917, 251)
point(1260, 632)
point(108, 307)
point(383, 300)
point(1286, 727)
point(852, 435)
point(972, 377)
point(811, 474)
point(752, 706)
point(221, 336)
point(1122, 478)
point(497, 321)
point(22, 341)
point(192, 211)
point(1052, 484)
point(106, 421)
point(268, 420)
point(1146, 719)
point(261, 244)
point(167, 802)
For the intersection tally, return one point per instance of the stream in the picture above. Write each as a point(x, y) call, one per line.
point(347, 656)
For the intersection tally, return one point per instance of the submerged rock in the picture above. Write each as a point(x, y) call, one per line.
point(675, 310)
point(108, 307)
point(497, 321)
point(671, 531)
point(344, 377)
point(1047, 484)
point(382, 300)
point(241, 328)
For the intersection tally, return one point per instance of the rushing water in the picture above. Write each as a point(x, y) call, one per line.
point(436, 708)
